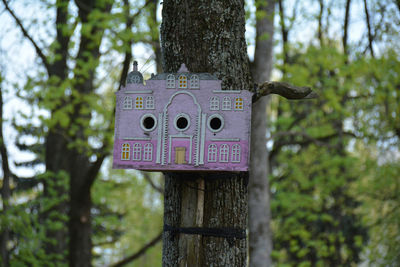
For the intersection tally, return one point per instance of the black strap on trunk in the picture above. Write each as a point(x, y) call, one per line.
point(230, 233)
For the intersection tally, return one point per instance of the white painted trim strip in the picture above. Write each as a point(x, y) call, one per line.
point(226, 139)
point(139, 92)
point(164, 126)
point(138, 138)
point(169, 149)
point(202, 140)
point(227, 91)
point(181, 135)
point(159, 135)
point(190, 149)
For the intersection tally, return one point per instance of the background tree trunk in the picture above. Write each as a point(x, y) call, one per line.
point(260, 236)
point(208, 36)
point(5, 190)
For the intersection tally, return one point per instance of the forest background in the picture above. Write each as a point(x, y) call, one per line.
point(334, 162)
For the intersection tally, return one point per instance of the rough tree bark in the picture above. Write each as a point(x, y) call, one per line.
point(260, 237)
point(208, 36)
point(5, 190)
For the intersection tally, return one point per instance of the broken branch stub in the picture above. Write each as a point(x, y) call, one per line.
point(284, 89)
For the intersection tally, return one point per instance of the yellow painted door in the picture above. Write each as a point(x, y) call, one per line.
point(180, 155)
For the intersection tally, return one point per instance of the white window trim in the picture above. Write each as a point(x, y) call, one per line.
point(150, 102)
point(137, 150)
point(214, 103)
point(194, 82)
point(171, 81)
point(128, 102)
point(182, 77)
point(222, 155)
point(136, 101)
point(212, 154)
point(225, 102)
point(123, 151)
point(236, 101)
point(148, 152)
point(236, 153)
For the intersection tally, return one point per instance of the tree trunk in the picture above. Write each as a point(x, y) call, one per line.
point(260, 236)
point(208, 36)
point(5, 191)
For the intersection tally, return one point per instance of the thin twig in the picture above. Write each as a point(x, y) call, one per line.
point(141, 251)
point(26, 34)
point(153, 185)
point(283, 89)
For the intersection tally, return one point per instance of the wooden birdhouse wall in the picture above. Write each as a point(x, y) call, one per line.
point(181, 121)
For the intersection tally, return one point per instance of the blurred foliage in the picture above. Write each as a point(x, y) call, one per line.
point(128, 213)
point(316, 222)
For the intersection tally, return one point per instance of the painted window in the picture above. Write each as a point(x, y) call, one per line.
point(182, 81)
point(214, 103)
point(139, 102)
point(224, 153)
point(150, 102)
point(212, 153)
point(226, 103)
point(127, 102)
point(137, 151)
point(239, 103)
point(125, 152)
point(148, 152)
point(194, 81)
point(235, 153)
point(136, 79)
point(170, 81)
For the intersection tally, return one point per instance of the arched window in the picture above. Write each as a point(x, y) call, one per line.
point(212, 153)
point(224, 153)
point(182, 81)
point(226, 103)
point(148, 152)
point(194, 81)
point(214, 103)
point(137, 152)
point(136, 79)
point(127, 102)
point(239, 103)
point(235, 153)
point(150, 102)
point(171, 81)
point(139, 102)
point(125, 152)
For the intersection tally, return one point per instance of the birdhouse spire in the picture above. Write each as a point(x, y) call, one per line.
point(135, 66)
point(183, 68)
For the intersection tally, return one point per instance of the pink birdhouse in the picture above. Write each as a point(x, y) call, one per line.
point(181, 121)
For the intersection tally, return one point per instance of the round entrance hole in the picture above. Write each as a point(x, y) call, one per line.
point(148, 123)
point(182, 122)
point(215, 123)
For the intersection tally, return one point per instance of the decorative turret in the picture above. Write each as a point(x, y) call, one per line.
point(135, 76)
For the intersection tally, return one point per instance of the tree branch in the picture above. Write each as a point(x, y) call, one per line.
point(370, 35)
point(283, 89)
point(346, 27)
point(153, 185)
point(138, 253)
point(26, 34)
